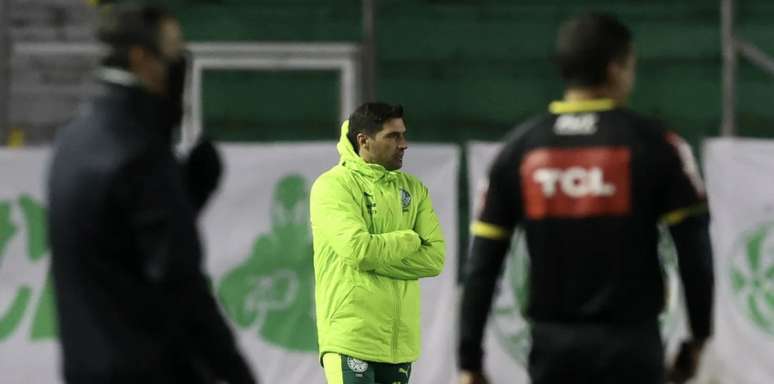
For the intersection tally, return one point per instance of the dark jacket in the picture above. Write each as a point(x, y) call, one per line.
point(133, 303)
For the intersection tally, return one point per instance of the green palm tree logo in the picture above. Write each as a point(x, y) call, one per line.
point(510, 326)
point(752, 276)
point(33, 216)
point(273, 289)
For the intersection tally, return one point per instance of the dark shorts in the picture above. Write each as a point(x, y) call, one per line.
point(598, 354)
point(342, 369)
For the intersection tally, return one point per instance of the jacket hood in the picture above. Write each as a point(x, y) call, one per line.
point(351, 160)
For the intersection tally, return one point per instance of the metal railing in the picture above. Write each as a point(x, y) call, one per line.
point(732, 47)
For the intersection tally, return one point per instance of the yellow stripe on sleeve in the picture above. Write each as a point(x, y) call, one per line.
point(332, 367)
point(489, 231)
point(679, 215)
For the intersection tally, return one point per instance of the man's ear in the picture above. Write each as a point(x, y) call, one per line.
point(136, 56)
point(615, 69)
point(362, 141)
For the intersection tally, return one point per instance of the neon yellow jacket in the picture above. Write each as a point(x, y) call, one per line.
point(375, 234)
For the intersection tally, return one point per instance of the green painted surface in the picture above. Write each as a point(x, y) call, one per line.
point(471, 70)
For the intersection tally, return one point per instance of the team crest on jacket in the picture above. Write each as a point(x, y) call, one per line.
point(405, 199)
point(357, 366)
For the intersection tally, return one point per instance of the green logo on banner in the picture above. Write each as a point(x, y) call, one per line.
point(752, 276)
point(273, 289)
point(34, 230)
point(511, 328)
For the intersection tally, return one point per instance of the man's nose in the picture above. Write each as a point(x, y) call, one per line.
point(403, 143)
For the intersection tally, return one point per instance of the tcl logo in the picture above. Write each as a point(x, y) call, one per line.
point(576, 183)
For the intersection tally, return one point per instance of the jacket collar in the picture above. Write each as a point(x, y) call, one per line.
point(579, 106)
point(352, 161)
point(118, 76)
point(123, 90)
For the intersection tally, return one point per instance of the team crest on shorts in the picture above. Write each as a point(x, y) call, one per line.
point(357, 366)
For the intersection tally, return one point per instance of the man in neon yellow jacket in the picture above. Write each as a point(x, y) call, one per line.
point(375, 235)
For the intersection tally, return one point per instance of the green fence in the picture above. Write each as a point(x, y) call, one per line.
point(472, 69)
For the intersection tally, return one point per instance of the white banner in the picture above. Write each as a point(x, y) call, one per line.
point(259, 254)
point(260, 247)
point(28, 351)
point(741, 196)
point(507, 339)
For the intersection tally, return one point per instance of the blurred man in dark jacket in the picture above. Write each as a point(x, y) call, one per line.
point(133, 303)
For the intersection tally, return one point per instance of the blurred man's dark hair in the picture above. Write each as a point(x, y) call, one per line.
point(125, 25)
point(587, 44)
point(369, 119)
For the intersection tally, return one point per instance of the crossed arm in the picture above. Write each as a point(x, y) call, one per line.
point(407, 254)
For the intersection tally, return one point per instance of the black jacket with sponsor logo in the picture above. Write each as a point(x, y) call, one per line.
point(133, 303)
point(589, 183)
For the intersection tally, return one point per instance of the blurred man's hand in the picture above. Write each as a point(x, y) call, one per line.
point(202, 171)
point(686, 363)
point(470, 377)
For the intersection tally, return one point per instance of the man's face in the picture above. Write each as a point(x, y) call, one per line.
point(387, 147)
point(153, 67)
point(170, 46)
point(170, 40)
point(622, 74)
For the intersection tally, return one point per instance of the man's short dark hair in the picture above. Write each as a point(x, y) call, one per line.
point(587, 44)
point(369, 119)
point(122, 26)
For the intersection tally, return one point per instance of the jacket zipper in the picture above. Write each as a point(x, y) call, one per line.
point(396, 327)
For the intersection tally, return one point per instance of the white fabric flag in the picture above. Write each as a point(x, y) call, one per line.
point(28, 349)
point(741, 196)
point(260, 254)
